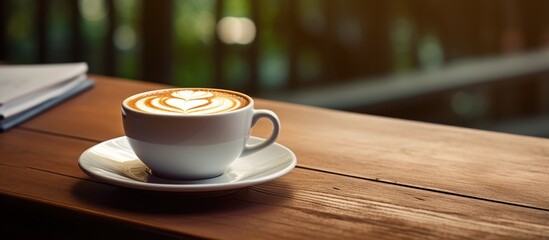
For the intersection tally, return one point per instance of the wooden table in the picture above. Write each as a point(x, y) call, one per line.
point(358, 177)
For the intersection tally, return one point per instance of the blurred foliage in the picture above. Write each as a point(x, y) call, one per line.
point(298, 43)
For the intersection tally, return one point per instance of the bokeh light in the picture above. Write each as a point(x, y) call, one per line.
point(236, 30)
point(93, 10)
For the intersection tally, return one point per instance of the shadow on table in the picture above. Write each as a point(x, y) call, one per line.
point(24, 219)
point(113, 198)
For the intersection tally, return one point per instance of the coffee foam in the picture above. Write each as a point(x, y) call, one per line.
point(188, 102)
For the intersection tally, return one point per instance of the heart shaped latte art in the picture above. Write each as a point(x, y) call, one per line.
point(184, 104)
point(191, 95)
point(187, 102)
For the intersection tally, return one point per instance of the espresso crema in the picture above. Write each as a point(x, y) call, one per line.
point(188, 101)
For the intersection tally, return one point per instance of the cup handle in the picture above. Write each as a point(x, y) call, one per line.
point(271, 116)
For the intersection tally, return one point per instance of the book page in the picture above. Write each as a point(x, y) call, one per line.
point(17, 81)
point(36, 98)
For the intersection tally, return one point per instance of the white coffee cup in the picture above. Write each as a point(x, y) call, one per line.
point(189, 137)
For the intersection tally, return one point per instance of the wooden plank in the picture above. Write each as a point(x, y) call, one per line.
point(482, 164)
point(252, 52)
point(156, 34)
point(110, 56)
point(76, 42)
point(41, 22)
point(219, 50)
point(3, 34)
point(304, 204)
point(292, 35)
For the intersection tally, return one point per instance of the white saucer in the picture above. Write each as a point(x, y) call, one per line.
point(114, 162)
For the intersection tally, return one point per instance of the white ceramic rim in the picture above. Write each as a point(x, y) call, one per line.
point(127, 108)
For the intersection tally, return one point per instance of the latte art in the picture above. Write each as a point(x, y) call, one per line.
point(188, 102)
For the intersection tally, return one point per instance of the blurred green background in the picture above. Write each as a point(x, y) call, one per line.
point(480, 64)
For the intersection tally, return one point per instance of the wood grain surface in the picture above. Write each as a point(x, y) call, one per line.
point(358, 176)
point(487, 165)
point(303, 204)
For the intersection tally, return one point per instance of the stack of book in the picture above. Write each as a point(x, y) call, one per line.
point(26, 90)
